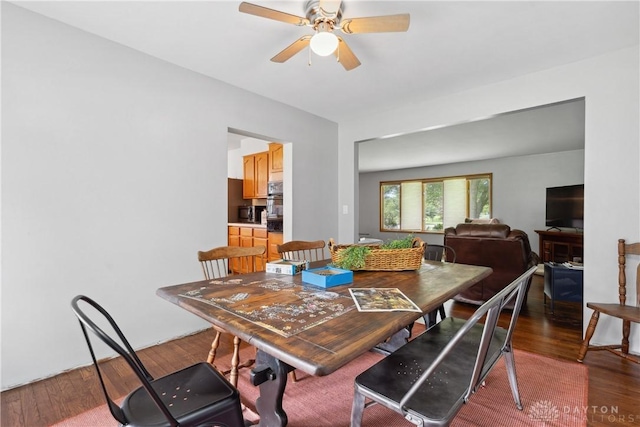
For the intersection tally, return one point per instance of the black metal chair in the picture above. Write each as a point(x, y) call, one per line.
point(437, 253)
point(194, 396)
point(428, 379)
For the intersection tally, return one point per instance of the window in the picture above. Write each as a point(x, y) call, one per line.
point(431, 205)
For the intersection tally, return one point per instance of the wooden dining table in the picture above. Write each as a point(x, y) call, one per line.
point(294, 325)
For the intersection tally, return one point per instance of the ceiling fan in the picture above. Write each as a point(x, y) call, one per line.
point(325, 16)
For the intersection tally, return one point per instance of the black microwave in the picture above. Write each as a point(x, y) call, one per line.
point(251, 214)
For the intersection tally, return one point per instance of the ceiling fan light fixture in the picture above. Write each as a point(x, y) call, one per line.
point(325, 17)
point(323, 42)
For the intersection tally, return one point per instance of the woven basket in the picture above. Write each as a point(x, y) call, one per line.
point(385, 259)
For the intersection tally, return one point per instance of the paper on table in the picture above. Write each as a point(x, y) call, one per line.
point(382, 299)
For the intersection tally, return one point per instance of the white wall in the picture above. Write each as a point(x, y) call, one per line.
point(519, 189)
point(609, 84)
point(114, 172)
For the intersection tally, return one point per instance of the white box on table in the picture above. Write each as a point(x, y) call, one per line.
point(287, 266)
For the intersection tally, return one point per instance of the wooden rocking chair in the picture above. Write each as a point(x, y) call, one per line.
point(222, 262)
point(302, 250)
point(628, 313)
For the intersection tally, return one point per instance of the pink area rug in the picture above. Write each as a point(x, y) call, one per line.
point(553, 393)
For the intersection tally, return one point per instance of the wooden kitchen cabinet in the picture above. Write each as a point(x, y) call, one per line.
point(260, 239)
point(275, 239)
point(249, 177)
point(262, 174)
point(276, 161)
point(234, 236)
point(248, 237)
point(234, 240)
point(256, 175)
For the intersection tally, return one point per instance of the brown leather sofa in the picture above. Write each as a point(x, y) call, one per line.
point(497, 246)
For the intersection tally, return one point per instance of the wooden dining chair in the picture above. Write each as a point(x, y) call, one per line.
point(428, 379)
point(302, 250)
point(440, 253)
point(627, 313)
point(222, 262)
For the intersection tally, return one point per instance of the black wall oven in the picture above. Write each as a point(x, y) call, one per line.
point(274, 206)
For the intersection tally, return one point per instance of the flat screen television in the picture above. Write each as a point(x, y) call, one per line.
point(565, 206)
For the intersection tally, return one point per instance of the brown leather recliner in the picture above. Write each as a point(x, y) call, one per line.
point(506, 251)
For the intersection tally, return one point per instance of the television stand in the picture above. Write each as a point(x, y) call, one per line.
point(560, 246)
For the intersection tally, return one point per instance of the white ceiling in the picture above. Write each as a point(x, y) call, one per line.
point(545, 129)
point(450, 46)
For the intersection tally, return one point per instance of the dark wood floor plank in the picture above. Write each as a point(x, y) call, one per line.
point(44, 403)
point(12, 412)
point(56, 400)
point(75, 380)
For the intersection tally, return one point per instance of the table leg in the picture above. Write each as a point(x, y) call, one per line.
point(394, 342)
point(270, 374)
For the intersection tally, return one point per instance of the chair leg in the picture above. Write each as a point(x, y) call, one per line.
point(292, 376)
point(235, 361)
point(588, 334)
point(357, 409)
point(626, 330)
point(235, 358)
point(443, 313)
point(214, 346)
point(513, 379)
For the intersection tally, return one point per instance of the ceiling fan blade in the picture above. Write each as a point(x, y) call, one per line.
point(292, 49)
point(376, 24)
point(276, 15)
point(345, 56)
point(330, 8)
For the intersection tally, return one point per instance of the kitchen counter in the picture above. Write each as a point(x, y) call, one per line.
point(247, 224)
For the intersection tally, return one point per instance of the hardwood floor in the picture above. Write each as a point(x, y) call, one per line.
point(613, 382)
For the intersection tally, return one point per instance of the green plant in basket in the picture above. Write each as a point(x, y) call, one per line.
point(353, 257)
point(404, 243)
